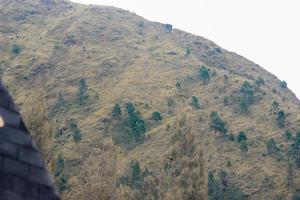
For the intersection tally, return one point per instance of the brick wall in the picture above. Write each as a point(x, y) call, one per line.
point(23, 174)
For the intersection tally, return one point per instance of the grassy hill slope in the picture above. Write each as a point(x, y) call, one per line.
point(48, 46)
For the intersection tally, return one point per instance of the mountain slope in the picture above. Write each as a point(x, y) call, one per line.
point(124, 58)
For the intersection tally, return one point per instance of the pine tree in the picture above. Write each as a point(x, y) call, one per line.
point(217, 124)
point(246, 98)
point(281, 119)
point(134, 177)
point(178, 86)
point(283, 84)
point(244, 148)
point(156, 116)
point(195, 103)
point(16, 49)
point(274, 107)
point(117, 110)
point(204, 75)
point(288, 135)
point(82, 94)
point(271, 146)
point(60, 100)
point(241, 137)
point(60, 164)
point(136, 124)
point(76, 133)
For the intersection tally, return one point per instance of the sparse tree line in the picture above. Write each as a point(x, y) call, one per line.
point(129, 129)
point(180, 174)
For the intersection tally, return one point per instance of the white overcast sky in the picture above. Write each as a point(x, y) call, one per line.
point(264, 31)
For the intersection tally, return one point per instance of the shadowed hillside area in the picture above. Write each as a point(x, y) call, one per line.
point(125, 108)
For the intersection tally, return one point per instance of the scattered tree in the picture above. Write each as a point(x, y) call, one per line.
point(129, 128)
point(283, 84)
point(117, 110)
point(136, 124)
point(178, 86)
point(244, 148)
point(141, 24)
point(187, 52)
point(294, 150)
point(220, 189)
point(16, 49)
point(195, 103)
point(156, 116)
point(60, 164)
point(204, 74)
point(271, 146)
point(217, 124)
point(241, 137)
point(82, 94)
point(281, 119)
point(134, 177)
point(168, 27)
point(260, 81)
point(223, 176)
point(296, 195)
point(290, 175)
point(76, 133)
point(274, 107)
point(62, 184)
point(288, 135)
point(246, 98)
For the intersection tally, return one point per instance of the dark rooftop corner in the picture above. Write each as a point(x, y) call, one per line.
point(23, 174)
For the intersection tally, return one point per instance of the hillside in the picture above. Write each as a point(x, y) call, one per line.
point(68, 66)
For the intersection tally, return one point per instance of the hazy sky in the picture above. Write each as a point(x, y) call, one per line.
point(264, 31)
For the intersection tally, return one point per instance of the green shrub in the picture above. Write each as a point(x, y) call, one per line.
point(16, 49)
point(156, 116)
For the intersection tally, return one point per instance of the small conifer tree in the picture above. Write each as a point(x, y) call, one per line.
point(204, 74)
point(281, 119)
point(217, 124)
point(82, 94)
point(76, 133)
point(117, 110)
point(195, 103)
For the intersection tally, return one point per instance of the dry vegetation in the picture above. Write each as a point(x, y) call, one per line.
point(49, 46)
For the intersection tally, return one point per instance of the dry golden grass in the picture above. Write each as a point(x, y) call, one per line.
point(122, 62)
